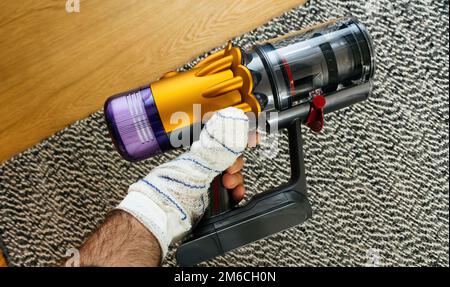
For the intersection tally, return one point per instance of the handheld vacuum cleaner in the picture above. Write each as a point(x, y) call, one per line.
point(300, 76)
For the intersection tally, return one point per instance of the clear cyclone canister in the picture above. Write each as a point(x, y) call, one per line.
point(285, 70)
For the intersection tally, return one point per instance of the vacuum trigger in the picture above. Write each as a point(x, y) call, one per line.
point(315, 118)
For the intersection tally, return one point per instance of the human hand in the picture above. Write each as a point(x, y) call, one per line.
point(174, 195)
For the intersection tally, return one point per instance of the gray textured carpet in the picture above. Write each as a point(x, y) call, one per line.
point(377, 175)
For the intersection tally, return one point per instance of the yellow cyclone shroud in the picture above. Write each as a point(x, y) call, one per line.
point(217, 82)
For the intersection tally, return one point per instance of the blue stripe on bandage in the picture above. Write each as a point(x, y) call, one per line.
point(223, 145)
point(183, 183)
point(197, 163)
point(231, 118)
point(166, 197)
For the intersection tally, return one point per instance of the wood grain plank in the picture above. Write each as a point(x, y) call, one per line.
point(58, 67)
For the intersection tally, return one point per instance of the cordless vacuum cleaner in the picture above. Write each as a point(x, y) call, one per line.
point(298, 77)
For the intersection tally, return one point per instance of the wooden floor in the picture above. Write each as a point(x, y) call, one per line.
point(57, 67)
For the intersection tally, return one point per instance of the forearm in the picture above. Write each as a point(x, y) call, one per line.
point(121, 241)
point(160, 208)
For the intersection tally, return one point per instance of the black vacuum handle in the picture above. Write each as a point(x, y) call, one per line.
point(220, 199)
point(266, 213)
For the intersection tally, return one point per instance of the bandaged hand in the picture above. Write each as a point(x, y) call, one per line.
point(173, 196)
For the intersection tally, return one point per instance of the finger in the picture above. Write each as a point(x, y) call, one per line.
point(237, 165)
point(238, 193)
point(230, 181)
point(254, 139)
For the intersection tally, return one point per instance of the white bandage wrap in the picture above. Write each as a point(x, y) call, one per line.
point(174, 195)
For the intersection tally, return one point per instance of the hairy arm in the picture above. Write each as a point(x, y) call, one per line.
point(121, 241)
point(162, 207)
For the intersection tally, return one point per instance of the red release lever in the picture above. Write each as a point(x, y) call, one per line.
point(315, 117)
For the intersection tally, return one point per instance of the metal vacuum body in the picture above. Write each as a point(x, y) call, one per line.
point(291, 80)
